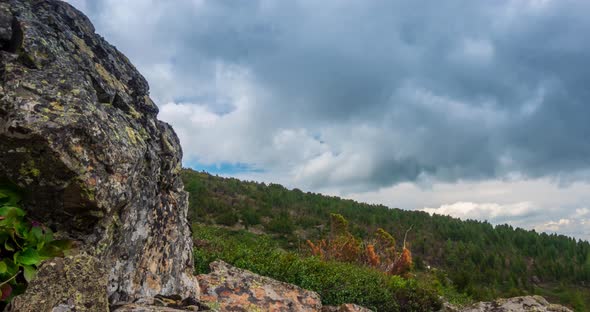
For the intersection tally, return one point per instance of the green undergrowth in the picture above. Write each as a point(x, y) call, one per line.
point(24, 244)
point(577, 297)
point(336, 282)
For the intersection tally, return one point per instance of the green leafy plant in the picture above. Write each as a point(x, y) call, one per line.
point(24, 244)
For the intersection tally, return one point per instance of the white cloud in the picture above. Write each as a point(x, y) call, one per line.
point(474, 51)
point(482, 211)
point(581, 212)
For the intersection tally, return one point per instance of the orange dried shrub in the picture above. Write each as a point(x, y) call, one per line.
point(317, 249)
point(344, 248)
point(380, 253)
point(403, 264)
point(341, 246)
point(372, 257)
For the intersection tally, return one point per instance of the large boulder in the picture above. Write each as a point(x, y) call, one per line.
point(228, 288)
point(79, 133)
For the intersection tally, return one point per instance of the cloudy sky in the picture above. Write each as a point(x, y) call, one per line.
point(477, 109)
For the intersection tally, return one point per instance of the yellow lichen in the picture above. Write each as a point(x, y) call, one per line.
point(110, 79)
point(253, 308)
point(131, 134)
point(28, 169)
point(83, 46)
point(57, 106)
point(135, 114)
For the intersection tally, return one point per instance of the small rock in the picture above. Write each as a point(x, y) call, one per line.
point(348, 307)
point(517, 304)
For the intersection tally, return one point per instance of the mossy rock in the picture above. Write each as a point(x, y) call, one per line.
point(74, 283)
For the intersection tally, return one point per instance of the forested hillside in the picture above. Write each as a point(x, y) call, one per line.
point(481, 260)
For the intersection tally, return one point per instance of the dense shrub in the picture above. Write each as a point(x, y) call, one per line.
point(343, 246)
point(336, 282)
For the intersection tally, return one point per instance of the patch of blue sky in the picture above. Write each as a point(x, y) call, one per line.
point(223, 168)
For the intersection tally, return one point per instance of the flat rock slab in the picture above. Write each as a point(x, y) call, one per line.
point(228, 288)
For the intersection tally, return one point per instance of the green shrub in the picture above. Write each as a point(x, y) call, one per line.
point(336, 282)
point(281, 225)
point(24, 244)
point(229, 218)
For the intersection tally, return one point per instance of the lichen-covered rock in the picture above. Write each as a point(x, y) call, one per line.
point(517, 304)
point(79, 132)
point(145, 308)
point(228, 288)
point(132, 307)
point(75, 283)
point(348, 307)
point(162, 304)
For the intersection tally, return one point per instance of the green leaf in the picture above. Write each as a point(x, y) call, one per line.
point(3, 267)
point(29, 256)
point(35, 235)
point(8, 196)
point(29, 272)
point(21, 230)
point(6, 223)
point(8, 246)
point(3, 236)
point(48, 234)
point(55, 248)
point(11, 268)
point(11, 211)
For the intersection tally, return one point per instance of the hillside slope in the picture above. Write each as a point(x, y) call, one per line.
point(481, 260)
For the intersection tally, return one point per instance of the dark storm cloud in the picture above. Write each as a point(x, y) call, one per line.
point(448, 89)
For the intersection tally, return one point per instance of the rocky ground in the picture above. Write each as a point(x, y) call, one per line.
point(525, 303)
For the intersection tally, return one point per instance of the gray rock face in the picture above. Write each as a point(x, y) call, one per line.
point(79, 132)
point(517, 304)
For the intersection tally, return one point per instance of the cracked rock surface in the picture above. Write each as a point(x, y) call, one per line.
point(79, 133)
